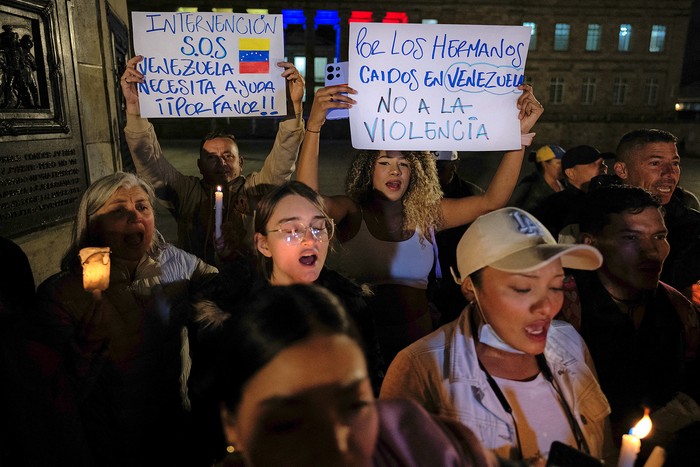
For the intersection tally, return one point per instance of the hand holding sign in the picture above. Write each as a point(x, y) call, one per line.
point(295, 85)
point(129, 84)
point(209, 64)
point(430, 87)
point(529, 108)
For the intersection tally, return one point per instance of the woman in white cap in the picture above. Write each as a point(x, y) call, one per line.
point(505, 368)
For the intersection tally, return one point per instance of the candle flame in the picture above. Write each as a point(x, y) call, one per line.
point(218, 187)
point(643, 426)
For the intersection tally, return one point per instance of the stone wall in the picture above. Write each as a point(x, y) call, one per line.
point(88, 70)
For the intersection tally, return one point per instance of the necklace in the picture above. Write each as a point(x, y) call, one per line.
point(632, 305)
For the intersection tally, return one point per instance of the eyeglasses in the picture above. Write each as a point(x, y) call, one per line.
point(294, 233)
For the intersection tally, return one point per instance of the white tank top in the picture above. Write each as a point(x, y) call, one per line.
point(370, 260)
point(538, 413)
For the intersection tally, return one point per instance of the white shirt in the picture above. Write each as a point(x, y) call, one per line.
point(539, 415)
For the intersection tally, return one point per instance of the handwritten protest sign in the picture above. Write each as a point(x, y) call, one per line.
point(431, 87)
point(210, 64)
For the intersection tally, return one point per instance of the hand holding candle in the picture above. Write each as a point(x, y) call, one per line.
point(96, 263)
point(631, 442)
point(218, 207)
point(695, 288)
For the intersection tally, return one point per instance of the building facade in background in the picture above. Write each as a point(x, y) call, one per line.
point(598, 69)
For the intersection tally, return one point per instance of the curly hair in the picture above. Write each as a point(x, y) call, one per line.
point(421, 202)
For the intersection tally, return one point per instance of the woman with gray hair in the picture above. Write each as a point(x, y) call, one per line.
point(120, 358)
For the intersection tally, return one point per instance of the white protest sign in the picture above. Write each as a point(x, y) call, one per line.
point(210, 64)
point(436, 87)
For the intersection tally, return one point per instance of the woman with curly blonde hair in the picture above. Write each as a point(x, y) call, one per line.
point(421, 201)
point(386, 220)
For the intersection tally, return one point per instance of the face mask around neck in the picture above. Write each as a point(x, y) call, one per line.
point(487, 335)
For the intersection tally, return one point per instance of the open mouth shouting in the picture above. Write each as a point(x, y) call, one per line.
point(309, 260)
point(134, 239)
point(665, 188)
point(394, 185)
point(537, 331)
point(651, 267)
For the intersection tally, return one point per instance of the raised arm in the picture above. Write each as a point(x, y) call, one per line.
point(462, 211)
point(141, 138)
point(327, 98)
point(280, 162)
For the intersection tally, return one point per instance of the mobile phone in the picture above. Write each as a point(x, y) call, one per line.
point(337, 73)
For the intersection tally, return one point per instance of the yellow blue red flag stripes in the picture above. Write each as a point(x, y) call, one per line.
point(253, 55)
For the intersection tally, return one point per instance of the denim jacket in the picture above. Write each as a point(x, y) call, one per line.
point(441, 372)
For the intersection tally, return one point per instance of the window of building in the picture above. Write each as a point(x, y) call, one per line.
point(429, 21)
point(256, 11)
point(320, 69)
point(588, 86)
point(625, 36)
point(327, 25)
point(533, 34)
point(300, 64)
point(556, 90)
point(294, 23)
point(561, 36)
point(290, 17)
point(619, 91)
point(222, 10)
point(187, 9)
point(657, 39)
point(652, 91)
point(593, 38)
point(358, 16)
point(395, 17)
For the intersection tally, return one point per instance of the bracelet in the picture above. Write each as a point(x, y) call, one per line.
point(312, 131)
point(526, 138)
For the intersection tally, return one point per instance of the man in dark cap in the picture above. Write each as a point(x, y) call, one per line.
point(580, 164)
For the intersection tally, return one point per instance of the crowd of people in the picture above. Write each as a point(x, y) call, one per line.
point(327, 330)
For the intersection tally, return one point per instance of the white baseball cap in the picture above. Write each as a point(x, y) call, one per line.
point(513, 240)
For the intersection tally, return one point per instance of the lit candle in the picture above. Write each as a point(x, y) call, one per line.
point(95, 262)
point(631, 442)
point(218, 206)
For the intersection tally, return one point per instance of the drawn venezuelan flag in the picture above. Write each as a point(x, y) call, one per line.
point(253, 55)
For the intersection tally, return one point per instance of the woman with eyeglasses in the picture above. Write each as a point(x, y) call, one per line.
point(292, 237)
